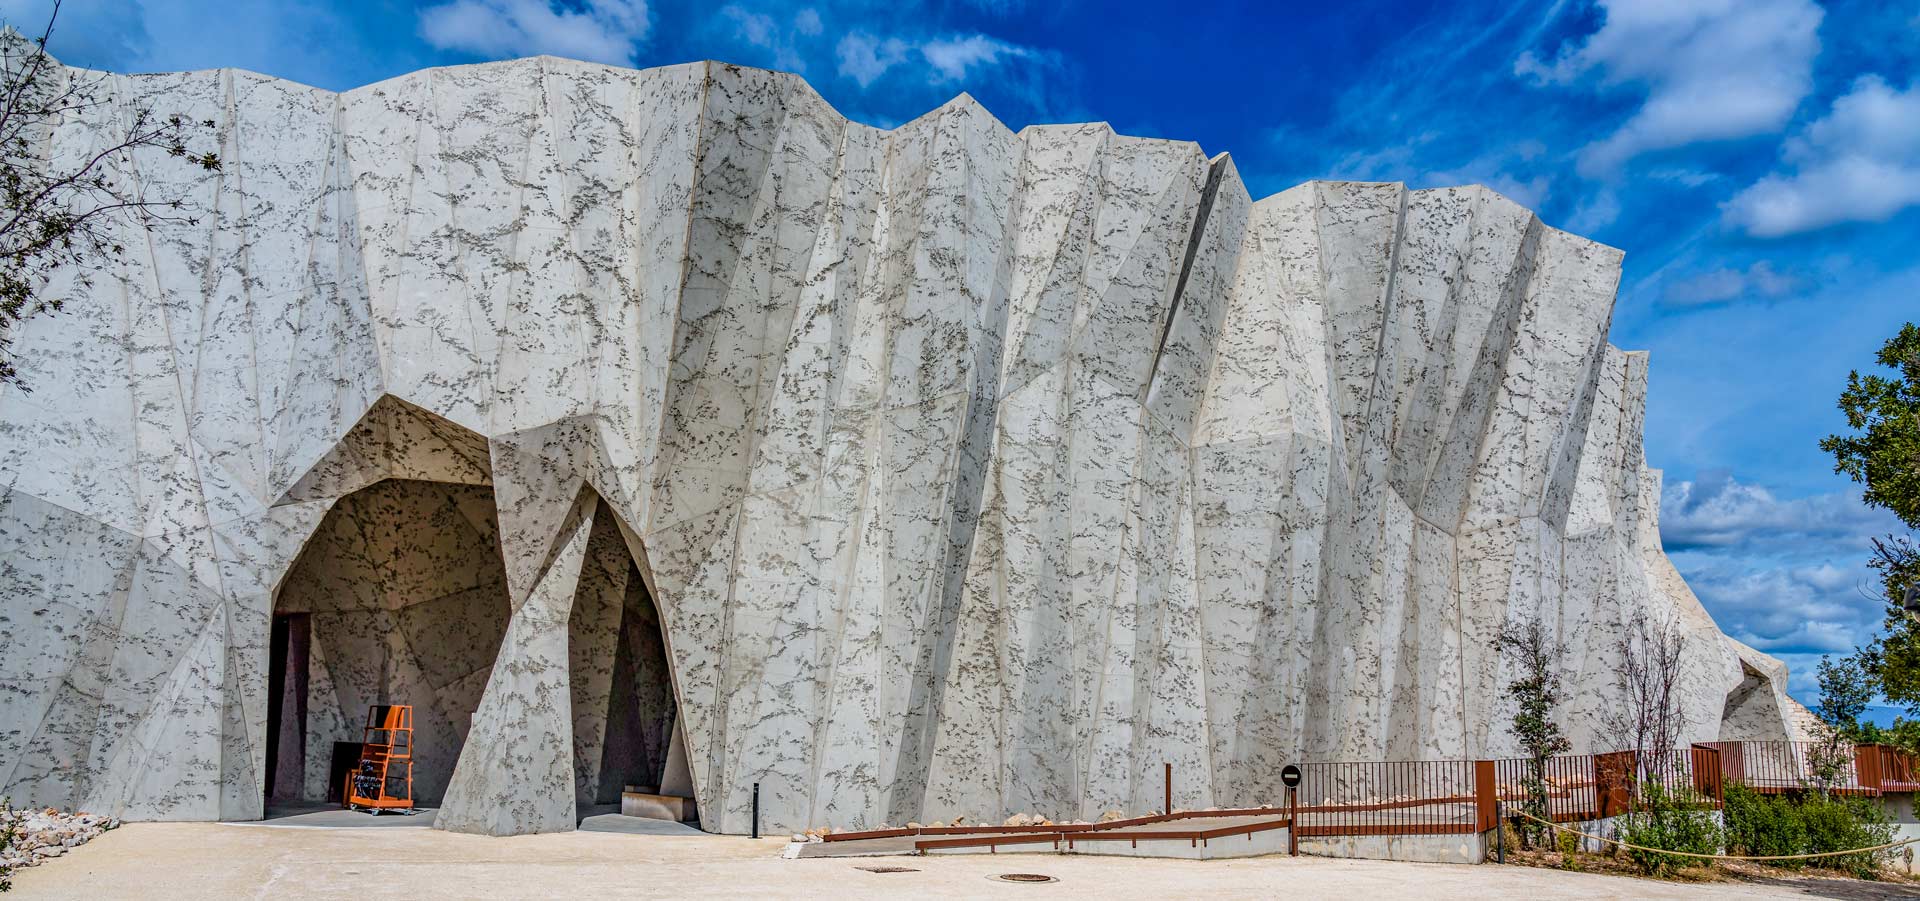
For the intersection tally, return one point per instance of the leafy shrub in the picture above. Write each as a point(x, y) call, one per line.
point(1766, 826)
point(1841, 823)
point(1569, 847)
point(1670, 823)
point(9, 833)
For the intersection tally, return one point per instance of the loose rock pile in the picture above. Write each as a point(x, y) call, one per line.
point(43, 834)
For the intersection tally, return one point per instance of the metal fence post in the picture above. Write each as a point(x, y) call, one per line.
point(1169, 808)
point(1293, 821)
point(756, 810)
point(1500, 830)
point(1485, 793)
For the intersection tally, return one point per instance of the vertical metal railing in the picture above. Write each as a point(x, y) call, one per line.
point(1405, 797)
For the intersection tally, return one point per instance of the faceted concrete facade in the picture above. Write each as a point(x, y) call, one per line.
point(970, 471)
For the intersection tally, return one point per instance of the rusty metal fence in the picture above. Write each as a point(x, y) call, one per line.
point(1574, 787)
point(1897, 770)
point(1771, 767)
point(1413, 797)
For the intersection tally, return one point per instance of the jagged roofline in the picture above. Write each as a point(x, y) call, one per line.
point(960, 100)
point(1220, 166)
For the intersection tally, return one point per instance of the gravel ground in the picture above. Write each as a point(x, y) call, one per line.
point(45, 834)
point(153, 861)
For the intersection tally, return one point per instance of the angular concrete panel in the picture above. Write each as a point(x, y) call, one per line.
point(964, 470)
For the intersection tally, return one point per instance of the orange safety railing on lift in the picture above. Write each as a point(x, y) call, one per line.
point(383, 780)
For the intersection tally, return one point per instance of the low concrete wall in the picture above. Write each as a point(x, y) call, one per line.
point(1255, 844)
point(1906, 822)
point(1414, 848)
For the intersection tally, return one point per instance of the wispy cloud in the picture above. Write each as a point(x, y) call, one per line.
point(603, 31)
point(1858, 163)
point(1724, 284)
point(763, 30)
point(1711, 70)
point(952, 58)
point(865, 58)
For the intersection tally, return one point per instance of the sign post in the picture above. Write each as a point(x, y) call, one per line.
point(1291, 777)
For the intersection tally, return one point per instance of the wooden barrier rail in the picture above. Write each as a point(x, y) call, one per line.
point(1451, 797)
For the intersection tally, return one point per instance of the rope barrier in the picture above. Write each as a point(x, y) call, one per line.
point(1615, 841)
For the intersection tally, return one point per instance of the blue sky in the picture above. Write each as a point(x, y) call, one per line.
point(1758, 161)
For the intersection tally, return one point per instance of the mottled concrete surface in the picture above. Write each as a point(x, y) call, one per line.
point(971, 471)
point(159, 861)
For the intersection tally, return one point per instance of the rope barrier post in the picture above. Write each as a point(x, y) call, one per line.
point(756, 810)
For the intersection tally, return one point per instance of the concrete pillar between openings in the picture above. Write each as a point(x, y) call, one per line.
point(515, 774)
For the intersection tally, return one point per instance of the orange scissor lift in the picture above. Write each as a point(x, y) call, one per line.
point(384, 778)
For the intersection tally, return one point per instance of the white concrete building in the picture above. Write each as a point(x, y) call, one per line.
point(907, 473)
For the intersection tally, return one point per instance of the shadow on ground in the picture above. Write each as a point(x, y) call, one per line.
point(1839, 889)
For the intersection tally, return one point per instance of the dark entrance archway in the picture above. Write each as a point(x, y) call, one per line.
point(401, 596)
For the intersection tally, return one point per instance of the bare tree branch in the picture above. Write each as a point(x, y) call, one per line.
point(1650, 723)
point(59, 218)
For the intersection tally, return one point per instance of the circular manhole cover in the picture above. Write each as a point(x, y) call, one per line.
point(1024, 877)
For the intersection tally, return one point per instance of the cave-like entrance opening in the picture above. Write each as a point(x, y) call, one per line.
point(401, 596)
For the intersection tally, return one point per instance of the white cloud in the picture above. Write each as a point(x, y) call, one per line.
point(807, 22)
point(1859, 163)
point(1716, 510)
point(953, 57)
point(1786, 576)
point(602, 31)
point(1814, 608)
point(865, 58)
point(1690, 178)
point(760, 30)
point(1724, 284)
point(1594, 213)
point(1711, 69)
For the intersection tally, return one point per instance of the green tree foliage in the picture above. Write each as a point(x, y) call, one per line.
point(1847, 686)
point(1883, 452)
point(1894, 658)
point(58, 213)
point(1846, 689)
point(1535, 691)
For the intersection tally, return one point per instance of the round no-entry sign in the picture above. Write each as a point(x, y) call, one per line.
point(1290, 775)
